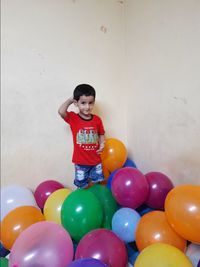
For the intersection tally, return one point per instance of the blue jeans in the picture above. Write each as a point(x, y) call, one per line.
point(85, 173)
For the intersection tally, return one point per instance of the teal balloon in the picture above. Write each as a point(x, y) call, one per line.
point(3, 262)
point(81, 212)
point(108, 203)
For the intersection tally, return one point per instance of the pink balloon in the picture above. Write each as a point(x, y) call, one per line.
point(130, 187)
point(159, 187)
point(44, 190)
point(104, 245)
point(45, 244)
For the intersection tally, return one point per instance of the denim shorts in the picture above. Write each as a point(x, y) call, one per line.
point(86, 173)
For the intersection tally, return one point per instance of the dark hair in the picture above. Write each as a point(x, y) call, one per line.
point(83, 89)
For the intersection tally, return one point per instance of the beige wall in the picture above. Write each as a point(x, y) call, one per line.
point(163, 64)
point(143, 58)
point(48, 47)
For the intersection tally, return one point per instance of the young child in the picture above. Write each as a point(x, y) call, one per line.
point(88, 135)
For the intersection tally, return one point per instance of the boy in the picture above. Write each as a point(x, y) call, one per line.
point(88, 135)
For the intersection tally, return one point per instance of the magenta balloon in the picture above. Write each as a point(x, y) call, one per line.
point(104, 245)
point(130, 187)
point(159, 187)
point(44, 190)
point(45, 244)
point(87, 263)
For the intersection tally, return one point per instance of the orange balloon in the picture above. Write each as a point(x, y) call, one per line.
point(104, 182)
point(16, 221)
point(154, 228)
point(114, 154)
point(182, 206)
point(106, 172)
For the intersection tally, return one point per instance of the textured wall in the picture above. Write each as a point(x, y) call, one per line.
point(48, 47)
point(163, 62)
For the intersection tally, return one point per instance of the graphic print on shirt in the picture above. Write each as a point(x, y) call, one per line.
point(87, 138)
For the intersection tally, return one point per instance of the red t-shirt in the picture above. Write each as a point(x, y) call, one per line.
point(86, 138)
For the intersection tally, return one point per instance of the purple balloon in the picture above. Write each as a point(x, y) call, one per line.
point(3, 251)
point(45, 244)
point(87, 263)
point(159, 187)
point(104, 245)
point(130, 187)
point(44, 190)
point(198, 264)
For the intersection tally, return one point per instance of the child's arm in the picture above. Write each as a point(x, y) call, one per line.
point(101, 143)
point(64, 107)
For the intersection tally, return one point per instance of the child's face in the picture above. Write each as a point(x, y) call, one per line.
point(85, 105)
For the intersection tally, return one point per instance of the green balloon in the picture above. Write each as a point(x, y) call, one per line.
point(81, 212)
point(3, 262)
point(109, 205)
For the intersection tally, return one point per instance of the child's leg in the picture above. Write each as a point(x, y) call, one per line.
point(81, 176)
point(96, 173)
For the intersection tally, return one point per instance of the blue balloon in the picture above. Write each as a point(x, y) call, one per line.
point(130, 163)
point(108, 185)
point(3, 251)
point(87, 263)
point(143, 210)
point(124, 223)
point(132, 253)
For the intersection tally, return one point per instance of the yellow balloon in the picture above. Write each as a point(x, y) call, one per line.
point(162, 255)
point(53, 204)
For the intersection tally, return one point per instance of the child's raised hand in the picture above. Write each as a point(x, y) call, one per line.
point(71, 99)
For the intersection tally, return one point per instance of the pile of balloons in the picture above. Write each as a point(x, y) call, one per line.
point(143, 219)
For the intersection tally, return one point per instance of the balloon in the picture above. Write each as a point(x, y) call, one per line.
point(104, 245)
point(17, 221)
point(129, 163)
point(3, 251)
point(124, 223)
point(53, 204)
point(154, 228)
point(3, 262)
point(193, 253)
point(106, 172)
point(109, 205)
point(109, 181)
point(14, 196)
point(87, 263)
point(114, 154)
point(182, 208)
point(44, 190)
point(132, 252)
point(129, 187)
point(198, 264)
point(159, 187)
point(143, 210)
point(81, 212)
point(45, 244)
point(162, 255)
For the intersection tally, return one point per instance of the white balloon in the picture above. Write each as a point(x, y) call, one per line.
point(193, 253)
point(14, 196)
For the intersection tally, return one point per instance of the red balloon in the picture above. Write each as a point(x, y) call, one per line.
point(44, 190)
point(130, 187)
point(104, 245)
point(159, 187)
